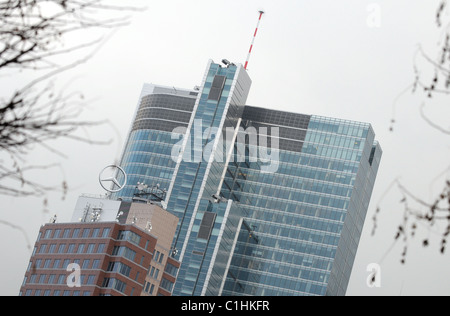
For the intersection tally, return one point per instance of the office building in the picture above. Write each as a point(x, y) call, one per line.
point(111, 248)
point(268, 202)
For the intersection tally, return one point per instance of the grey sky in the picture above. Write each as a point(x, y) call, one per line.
point(325, 57)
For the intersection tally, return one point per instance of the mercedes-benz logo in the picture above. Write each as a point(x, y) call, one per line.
point(110, 174)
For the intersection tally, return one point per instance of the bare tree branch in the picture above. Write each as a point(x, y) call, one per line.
point(32, 33)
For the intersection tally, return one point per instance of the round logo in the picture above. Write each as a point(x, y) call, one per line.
point(109, 175)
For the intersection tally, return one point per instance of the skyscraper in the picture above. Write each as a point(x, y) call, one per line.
point(269, 202)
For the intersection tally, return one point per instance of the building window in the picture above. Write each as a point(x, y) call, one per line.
point(129, 236)
point(57, 233)
point(120, 268)
point(106, 232)
point(51, 279)
point(86, 233)
point(90, 280)
point(47, 234)
point(61, 248)
point(81, 248)
point(47, 263)
point(66, 233)
point(86, 264)
point(114, 284)
point(76, 233)
point(43, 248)
point(56, 263)
point(42, 278)
point(171, 269)
point(71, 248)
point(90, 248)
point(124, 252)
point(95, 232)
point(96, 264)
point(37, 263)
point(152, 287)
point(148, 288)
point(52, 248)
point(166, 285)
point(66, 263)
point(101, 248)
point(61, 279)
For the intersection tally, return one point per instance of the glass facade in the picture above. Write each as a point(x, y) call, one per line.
point(147, 157)
point(223, 94)
point(305, 220)
point(279, 215)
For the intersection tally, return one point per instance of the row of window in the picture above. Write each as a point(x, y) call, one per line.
point(149, 288)
point(115, 284)
point(163, 114)
point(71, 248)
point(129, 236)
point(294, 288)
point(334, 140)
point(148, 170)
point(63, 264)
point(60, 279)
point(171, 269)
point(159, 257)
point(293, 266)
point(153, 159)
point(47, 292)
point(125, 252)
point(332, 152)
point(119, 267)
point(166, 285)
point(304, 186)
point(75, 233)
point(337, 126)
point(319, 162)
point(290, 207)
point(293, 250)
point(154, 136)
point(148, 146)
point(297, 171)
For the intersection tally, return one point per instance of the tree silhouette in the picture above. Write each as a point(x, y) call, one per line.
point(32, 34)
point(416, 211)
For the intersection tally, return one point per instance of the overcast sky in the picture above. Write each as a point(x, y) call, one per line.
point(349, 59)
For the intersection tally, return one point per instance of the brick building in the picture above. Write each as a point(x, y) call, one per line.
point(126, 257)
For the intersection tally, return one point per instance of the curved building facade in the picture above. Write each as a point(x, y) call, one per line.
point(147, 157)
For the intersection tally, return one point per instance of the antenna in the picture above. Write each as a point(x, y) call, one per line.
point(253, 41)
